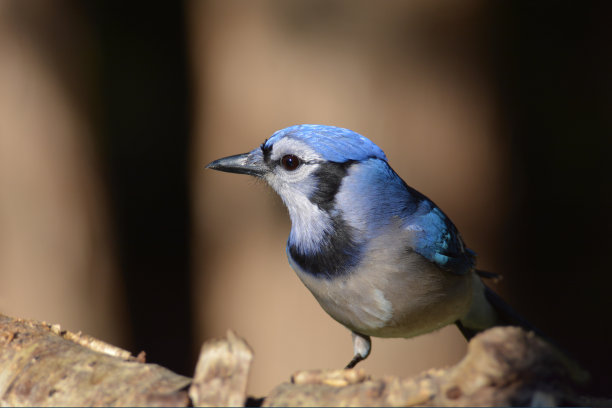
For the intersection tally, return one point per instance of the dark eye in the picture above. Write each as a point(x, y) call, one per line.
point(290, 162)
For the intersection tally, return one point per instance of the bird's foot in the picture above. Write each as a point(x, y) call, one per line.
point(361, 349)
point(356, 359)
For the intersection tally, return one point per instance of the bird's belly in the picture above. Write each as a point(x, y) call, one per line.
point(385, 301)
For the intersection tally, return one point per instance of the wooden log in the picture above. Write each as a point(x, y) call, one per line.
point(222, 373)
point(504, 366)
point(42, 365)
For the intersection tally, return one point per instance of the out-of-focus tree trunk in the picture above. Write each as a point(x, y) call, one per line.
point(56, 260)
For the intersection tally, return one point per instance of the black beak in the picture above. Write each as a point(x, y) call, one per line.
point(241, 163)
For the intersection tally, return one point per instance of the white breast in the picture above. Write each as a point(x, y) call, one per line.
point(392, 293)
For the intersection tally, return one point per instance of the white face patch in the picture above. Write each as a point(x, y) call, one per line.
point(288, 145)
point(309, 224)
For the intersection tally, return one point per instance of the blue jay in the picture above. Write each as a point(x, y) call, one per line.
point(380, 258)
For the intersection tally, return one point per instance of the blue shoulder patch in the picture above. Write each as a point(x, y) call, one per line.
point(437, 240)
point(335, 144)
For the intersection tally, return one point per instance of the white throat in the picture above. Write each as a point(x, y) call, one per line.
point(309, 224)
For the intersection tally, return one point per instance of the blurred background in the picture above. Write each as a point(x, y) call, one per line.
point(109, 224)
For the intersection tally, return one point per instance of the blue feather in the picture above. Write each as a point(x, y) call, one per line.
point(438, 239)
point(374, 196)
point(335, 144)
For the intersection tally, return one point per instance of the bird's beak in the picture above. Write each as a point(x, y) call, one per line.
point(247, 163)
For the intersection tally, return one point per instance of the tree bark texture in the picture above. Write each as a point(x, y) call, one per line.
point(42, 365)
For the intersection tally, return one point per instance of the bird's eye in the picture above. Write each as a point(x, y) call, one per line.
point(290, 162)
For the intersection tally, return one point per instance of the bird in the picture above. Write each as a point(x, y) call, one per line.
point(380, 257)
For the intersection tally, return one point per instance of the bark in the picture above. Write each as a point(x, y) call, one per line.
point(42, 365)
point(504, 366)
point(222, 373)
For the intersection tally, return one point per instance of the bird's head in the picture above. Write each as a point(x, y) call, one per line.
point(305, 165)
point(292, 155)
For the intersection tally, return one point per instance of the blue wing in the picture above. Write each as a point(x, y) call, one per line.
point(437, 239)
point(381, 194)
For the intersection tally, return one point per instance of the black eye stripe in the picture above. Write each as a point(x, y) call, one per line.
point(290, 162)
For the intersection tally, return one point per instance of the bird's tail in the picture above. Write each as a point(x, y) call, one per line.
point(489, 310)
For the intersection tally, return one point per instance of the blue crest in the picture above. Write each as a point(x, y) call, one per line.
point(335, 144)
